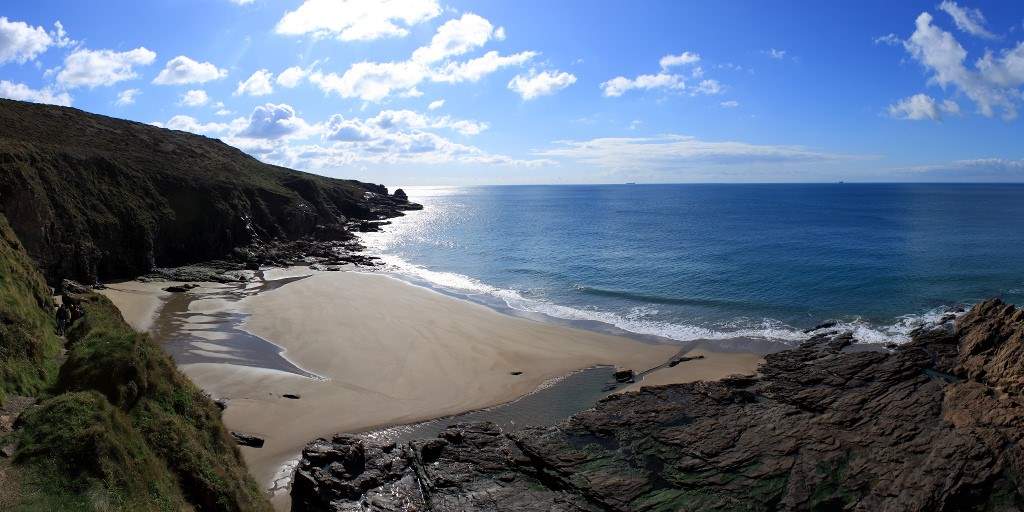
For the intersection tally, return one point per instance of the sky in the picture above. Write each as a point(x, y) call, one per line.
point(434, 92)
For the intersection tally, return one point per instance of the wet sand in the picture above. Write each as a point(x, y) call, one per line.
point(366, 351)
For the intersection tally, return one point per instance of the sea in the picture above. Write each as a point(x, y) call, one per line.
point(686, 262)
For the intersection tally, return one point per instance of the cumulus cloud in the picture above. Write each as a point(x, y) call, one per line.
point(258, 84)
point(357, 20)
point(473, 70)
point(272, 121)
point(679, 60)
point(889, 39)
point(436, 104)
point(967, 19)
point(540, 84)
point(21, 42)
point(292, 76)
point(775, 54)
point(456, 37)
point(127, 97)
point(729, 104)
point(183, 70)
point(992, 85)
point(375, 81)
point(915, 108)
point(675, 151)
point(192, 125)
point(371, 81)
point(620, 85)
point(92, 68)
point(664, 79)
point(22, 92)
point(194, 98)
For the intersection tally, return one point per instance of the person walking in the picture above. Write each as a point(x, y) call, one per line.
point(63, 316)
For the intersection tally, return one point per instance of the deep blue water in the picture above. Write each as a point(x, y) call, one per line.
point(719, 261)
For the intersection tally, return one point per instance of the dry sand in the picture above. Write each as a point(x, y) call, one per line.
point(139, 302)
point(393, 353)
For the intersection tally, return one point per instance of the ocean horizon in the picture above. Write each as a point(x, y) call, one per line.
point(690, 262)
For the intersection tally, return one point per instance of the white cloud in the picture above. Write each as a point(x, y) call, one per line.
point(729, 104)
point(242, 2)
point(474, 69)
point(915, 108)
point(679, 60)
point(972, 170)
point(192, 125)
point(967, 19)
point(775, 54)
point(292, 77)
point(194, 98)
point(183, 70)
point(21, 42)
point(258, 84)
point(436, 104)
point(127, 97)
point(993, 85)
point(540, 84)
point(620, 85)
point(357, 20)
point(15, 91)
point(709, 87)
point(950, 107)
point(371, 81)
point(671, 152)
point(889, 39)
point(456, 37)
point(272, 121)
point(92, 68)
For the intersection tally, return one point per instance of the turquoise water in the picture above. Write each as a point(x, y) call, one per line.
point(690, 262)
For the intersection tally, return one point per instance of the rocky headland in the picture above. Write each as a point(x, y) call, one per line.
point(100, 418)
point(934, 424)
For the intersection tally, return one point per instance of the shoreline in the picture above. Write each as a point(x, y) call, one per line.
point(363, 334)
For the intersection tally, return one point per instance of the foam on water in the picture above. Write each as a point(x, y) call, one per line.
point(637, 319)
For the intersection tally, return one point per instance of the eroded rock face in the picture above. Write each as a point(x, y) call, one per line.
point(933, 425)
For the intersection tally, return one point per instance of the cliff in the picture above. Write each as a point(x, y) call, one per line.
point(935, 424)
point(92, 196)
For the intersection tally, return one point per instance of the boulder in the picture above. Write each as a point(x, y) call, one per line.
point(624, 375)
point(247, 439)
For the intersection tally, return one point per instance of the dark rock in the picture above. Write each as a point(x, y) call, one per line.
point(291, 396)
point(824, 325)
point(182, 288)
point(682, 359)
point(516, 373)
point(8, 450)
point(935, 424)
point(221, 403)
point(400, 195)
point(70, 286)
point(247, 439)
point(624, 375)
point(609, 387)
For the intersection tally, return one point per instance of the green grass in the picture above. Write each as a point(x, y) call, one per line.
point(28, 344)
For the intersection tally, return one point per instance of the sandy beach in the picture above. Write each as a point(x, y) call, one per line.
point(387, 352)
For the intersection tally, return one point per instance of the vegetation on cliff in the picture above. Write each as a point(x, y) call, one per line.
point(28, 345)
point(127, 430)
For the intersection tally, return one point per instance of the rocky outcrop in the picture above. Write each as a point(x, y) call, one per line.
point(96, 197)
point(935, 424)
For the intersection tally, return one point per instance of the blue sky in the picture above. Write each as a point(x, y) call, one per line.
point(409, 92)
